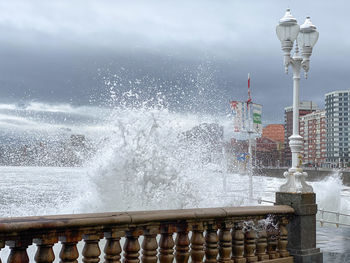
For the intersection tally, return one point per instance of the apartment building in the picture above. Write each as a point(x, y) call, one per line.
point(313, 130)
point(337, 127)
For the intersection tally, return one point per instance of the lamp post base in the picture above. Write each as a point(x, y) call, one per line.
point(296, 182)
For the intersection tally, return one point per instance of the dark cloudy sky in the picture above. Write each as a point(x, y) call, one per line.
point(197, 53)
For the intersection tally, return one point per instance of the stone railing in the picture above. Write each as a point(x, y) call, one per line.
point(225, 235)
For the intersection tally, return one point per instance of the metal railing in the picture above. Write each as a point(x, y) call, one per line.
point(321, 212)
point(337, 222)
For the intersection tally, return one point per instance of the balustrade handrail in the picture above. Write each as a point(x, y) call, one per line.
point(33, 223)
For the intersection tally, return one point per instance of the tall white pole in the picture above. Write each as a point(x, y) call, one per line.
point(296, 141)
point(250, 153)
point(250, 168)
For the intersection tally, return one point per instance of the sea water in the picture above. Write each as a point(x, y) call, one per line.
point(144, 160)
point(32, 191)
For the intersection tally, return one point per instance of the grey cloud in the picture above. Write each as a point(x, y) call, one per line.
point(61, 51)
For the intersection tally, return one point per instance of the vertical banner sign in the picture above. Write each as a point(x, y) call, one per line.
point(257, 125)
point(237, 111)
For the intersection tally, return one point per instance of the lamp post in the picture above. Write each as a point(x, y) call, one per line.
point(305, 37)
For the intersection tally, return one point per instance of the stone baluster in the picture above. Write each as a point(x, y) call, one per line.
point(250, 245)
point(211, 244)
point(272, 243)
point(132, 247)
point(69, 252)
point(182, 243)
point(283, 238)
point(197, 243)
point(44, 253)
point(238, 243)
point(91, 251)
point(18, 251)
point(166, 244)
point(112, 247)
point(150, 245)
point(262, 246)
point(2, 245)
point(225, 243)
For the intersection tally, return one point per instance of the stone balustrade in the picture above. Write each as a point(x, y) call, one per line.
point(225, 235)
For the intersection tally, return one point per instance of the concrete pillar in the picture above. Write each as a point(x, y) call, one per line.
point(302, 226)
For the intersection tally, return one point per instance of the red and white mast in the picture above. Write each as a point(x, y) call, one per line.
point(250, 152)
point(249, 96)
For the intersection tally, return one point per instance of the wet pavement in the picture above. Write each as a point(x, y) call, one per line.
point(334, 243)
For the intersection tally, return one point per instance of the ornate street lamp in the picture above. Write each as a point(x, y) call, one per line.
point(306, 35)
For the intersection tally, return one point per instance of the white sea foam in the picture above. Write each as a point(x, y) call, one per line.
point(144, 161)
point(143, 152)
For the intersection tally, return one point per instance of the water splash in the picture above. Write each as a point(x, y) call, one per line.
point(148, 161)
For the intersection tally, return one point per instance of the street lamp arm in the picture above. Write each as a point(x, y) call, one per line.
point(307, 51)
point(295, 62)
point(306, 66)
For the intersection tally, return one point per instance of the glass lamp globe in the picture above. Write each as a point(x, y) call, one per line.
point(287, 29)
point(308, 35)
